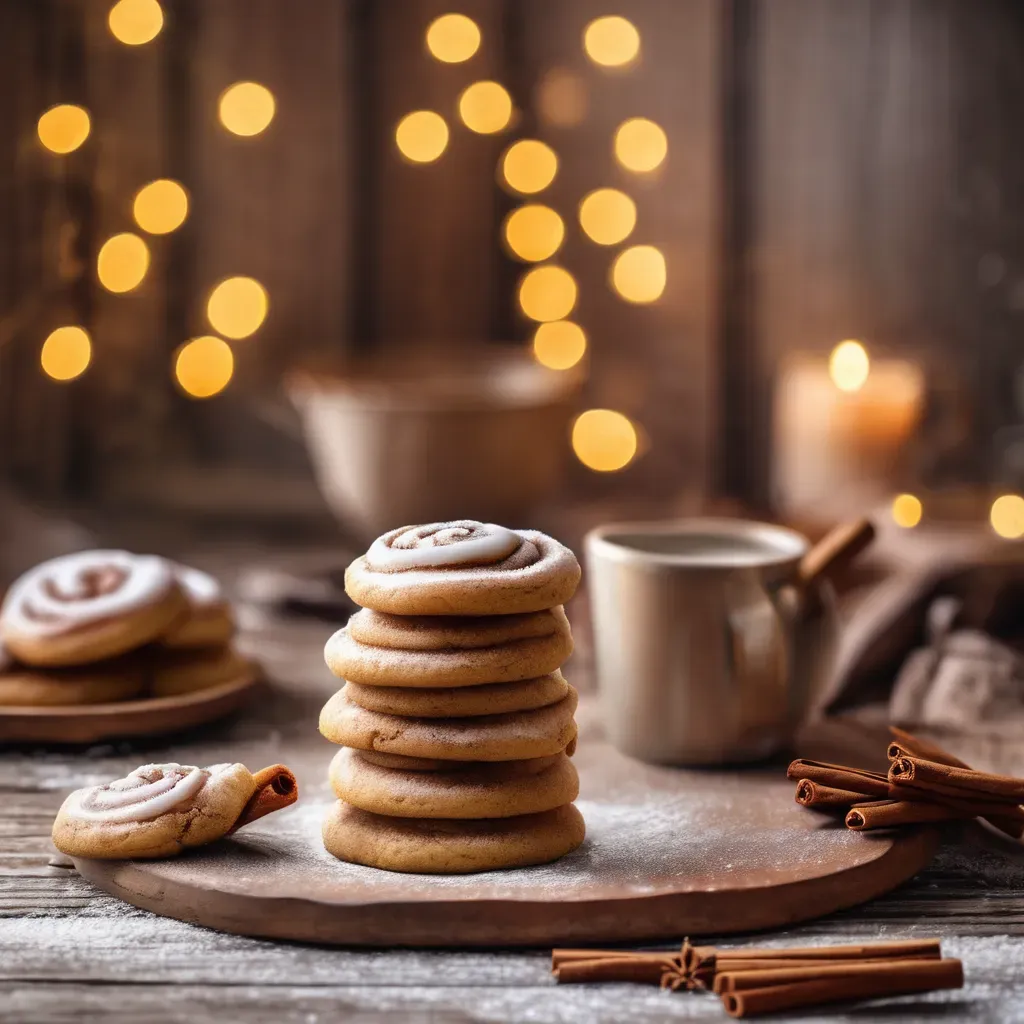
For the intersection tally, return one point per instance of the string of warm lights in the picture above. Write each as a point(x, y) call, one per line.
point(603, 439)
point(237, 306)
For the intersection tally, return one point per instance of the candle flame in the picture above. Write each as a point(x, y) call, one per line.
point(848, 366)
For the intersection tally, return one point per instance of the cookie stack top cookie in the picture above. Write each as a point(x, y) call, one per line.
point(458, 723)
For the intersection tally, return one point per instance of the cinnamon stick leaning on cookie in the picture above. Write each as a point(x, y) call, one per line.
point(158, 810)
point(456, 724)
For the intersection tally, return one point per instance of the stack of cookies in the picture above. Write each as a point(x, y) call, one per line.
point(105, 626)
point(455, 722)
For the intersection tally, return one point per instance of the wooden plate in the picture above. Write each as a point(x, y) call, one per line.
point(90, 723)
point(668, 853)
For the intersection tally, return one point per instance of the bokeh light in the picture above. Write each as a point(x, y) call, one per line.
point(421, 136)
point(62, 129)
point(485, 107)
point(638, 273)
point(562, 98)
point(604, 440)
point(203, 366)
point(534, 232)
point(559, 344)
point(547, 293)
point(134, 22)
point(849, 366)
point(246, 108)
point(237, 307)
point(907, 510)
point(66, 353)
point(611, 41)
point(160, 206)
point(1007, 516)
point(528, 166)
point(640, 144)
point(453, 38)
point(607, 216)
point(122, 262)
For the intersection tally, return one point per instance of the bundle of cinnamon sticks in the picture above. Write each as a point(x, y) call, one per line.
point(924, 784)
point(752, 982)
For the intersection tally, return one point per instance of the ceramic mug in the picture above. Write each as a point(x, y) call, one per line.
point(706, 649)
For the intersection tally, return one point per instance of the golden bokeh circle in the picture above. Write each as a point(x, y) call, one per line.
point(611, 41)
point(246, 108)
point(534, 232)
point(237, 307)
point(639, 273)
point(122, 262)
point(528, 166)
point(547, 293)
point(63, 128)
point(135, 22)
point(849, 365)
point(907, 510)
point(485, 107)
point(640, 144)
point(66, 353)
point(161, 206)
point(604, 440)
point(559, 344)
point(607, 216)
point(453, 38)
point(203, 367)
point(421, 136)
point(1007, 516)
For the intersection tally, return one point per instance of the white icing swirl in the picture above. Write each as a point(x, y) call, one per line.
point(74, 590)
point(146, 793)
point(463, 542)
point(201, 589)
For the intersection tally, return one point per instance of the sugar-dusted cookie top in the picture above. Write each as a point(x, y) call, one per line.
point(462, 568)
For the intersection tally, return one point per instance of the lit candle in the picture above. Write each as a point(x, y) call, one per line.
point(840, 429)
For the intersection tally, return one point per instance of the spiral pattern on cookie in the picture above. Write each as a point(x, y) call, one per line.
point(72, 591)
point(144, 794)
point(464, 542)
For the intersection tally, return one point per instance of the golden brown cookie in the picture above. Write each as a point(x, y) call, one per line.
point(88, 607)
point(462, 701)
point(511, 660)
point(462, 568)
point(208, 621)
point(509, 737)
point(449, 847)
point(176, 672)
point(103, 682)
point(497, 790)
point(529, 766)
point(156, 811)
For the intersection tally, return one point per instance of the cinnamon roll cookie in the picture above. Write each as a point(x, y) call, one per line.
point(160, 809)
point(207, 620)
point(185, 671)
point(377, 649)
point(492, 790)
point(447, 846)
point(462, 568)
point(116, 680)
point(89, 606)
point(508, 737)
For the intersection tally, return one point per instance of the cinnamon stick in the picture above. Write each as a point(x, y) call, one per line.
point(817, 795)
point(837, 776)
point(741, 981)
point(951, 780)
point(276, 787)
point(884, 980)
point(568, 956)
point(616, 968)
point(890, 813)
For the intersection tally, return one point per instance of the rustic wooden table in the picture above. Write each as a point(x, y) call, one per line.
point(69, 952)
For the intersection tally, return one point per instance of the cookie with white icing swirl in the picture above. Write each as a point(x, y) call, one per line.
point(208, 620)
point(462, 568)
point(156, 811)
point(86, 607)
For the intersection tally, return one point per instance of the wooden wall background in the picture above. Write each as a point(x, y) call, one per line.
point(834, 170)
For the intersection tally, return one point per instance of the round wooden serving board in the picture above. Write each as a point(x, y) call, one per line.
point(668, 853)
point(90, 723)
